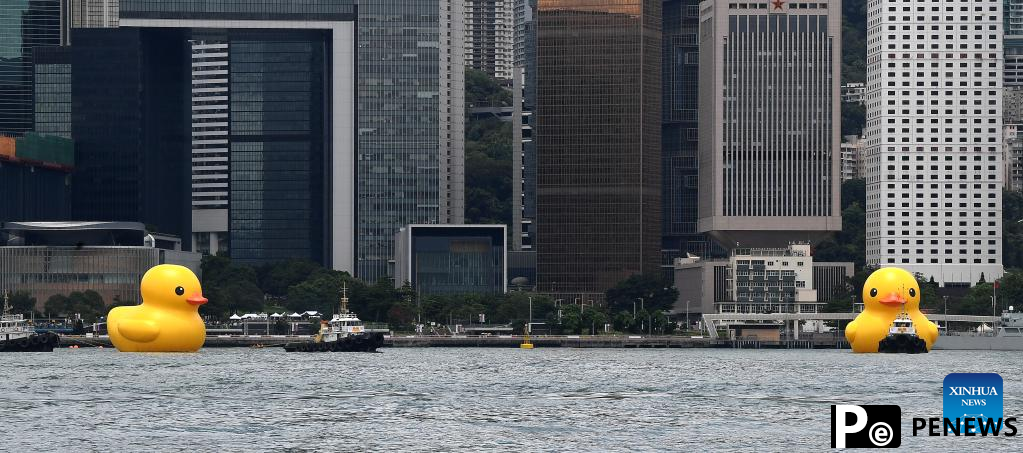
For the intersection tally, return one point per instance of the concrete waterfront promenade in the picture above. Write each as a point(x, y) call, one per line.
point(505, 341)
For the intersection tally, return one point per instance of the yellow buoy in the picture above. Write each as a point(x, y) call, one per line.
point(525, 343)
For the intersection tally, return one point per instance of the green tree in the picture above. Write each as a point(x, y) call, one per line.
point(656, 292)
point(848, 245)
point(481, 90)
point(1010, 289)
point(488, 152)
point(1012, 229)
point(57, 305)
point(977, 301)
point(22, 302)
point(276, 278)
point(229, 287)
point(320, 292)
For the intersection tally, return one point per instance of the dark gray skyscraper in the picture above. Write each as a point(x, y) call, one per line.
point(769, 130)
point(24, 26)
point(679, 130)
point(598, 118)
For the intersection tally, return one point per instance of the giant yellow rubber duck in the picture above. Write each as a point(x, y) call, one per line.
point(168, 319)
point(886, 293)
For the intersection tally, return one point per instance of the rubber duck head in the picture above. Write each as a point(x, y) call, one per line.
point(891, 289)
point(172, 287)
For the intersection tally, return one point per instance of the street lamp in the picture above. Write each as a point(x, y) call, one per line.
point(529, 327)
point(687, 314)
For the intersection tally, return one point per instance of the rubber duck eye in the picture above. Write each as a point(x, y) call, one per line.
point(912, 292)
point(179, 290)
point(873, 292)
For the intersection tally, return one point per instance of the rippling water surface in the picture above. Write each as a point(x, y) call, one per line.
point(472, 399)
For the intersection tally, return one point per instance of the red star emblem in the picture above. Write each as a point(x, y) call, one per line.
point(777, 4)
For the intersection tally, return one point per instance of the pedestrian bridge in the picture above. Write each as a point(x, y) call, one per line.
point(713, 320)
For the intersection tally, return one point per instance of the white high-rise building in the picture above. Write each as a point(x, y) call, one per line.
point(934, 138)
point(490, 36)
point(210, 144)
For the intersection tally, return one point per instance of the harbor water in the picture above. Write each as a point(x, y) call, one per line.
point(452, 399)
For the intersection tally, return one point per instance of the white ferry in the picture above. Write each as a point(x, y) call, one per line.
point(17, 336)
point(345, 332)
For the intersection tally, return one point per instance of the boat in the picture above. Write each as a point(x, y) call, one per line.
point(343, 333)
point(1007, 337)
point(17, 336)
point(902, 337)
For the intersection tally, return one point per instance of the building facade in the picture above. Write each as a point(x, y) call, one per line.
point(769, 122)
point(271, 124)
point(51, 94)
point(759, 280)
point(452, 259)
point(411, 123)
point(94, 13)
point(598, 123)
point(934, 139)
point(852, 92)
point(25, 25)
point(852, 157)
point(129, 117)
point(524, 129)
point(680, 132)
point(490, 37)
point(45, 259)
point(1013, 157)
point(34, 175)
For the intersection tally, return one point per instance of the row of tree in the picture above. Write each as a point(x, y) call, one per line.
point(302, 285)
point(88, 304)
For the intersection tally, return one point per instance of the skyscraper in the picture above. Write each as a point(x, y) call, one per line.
point(523, 128)
point(411, 123)
point(490, 36)
point(129, 113)
point(679, 131)
point(934, 138)
point(94, 13)
point(268, 95)
point(24, 26)
point(598, 120)
point(769, 129)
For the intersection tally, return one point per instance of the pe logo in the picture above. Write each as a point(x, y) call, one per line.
point(974, 399)
point(877, 426)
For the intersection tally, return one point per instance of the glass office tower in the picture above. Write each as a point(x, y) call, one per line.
point(679, 131)
point(411, 123)
point(24, 25)
point(277, 145)
point(598, 118)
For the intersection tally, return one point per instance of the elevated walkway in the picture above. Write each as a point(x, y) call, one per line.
point(713, 320)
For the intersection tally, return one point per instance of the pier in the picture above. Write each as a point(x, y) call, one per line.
point(504, 341)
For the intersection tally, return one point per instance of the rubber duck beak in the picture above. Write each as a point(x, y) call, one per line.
point(893, 299)
point(197, 299)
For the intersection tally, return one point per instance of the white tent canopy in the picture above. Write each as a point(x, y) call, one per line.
point(235, 316)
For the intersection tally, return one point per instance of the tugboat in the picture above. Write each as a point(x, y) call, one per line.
point(902, 337)
point(343, 333)
point(17, 336)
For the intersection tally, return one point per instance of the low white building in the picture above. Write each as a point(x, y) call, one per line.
point(758, 280)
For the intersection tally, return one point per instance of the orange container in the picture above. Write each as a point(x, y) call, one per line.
point(7, 146)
